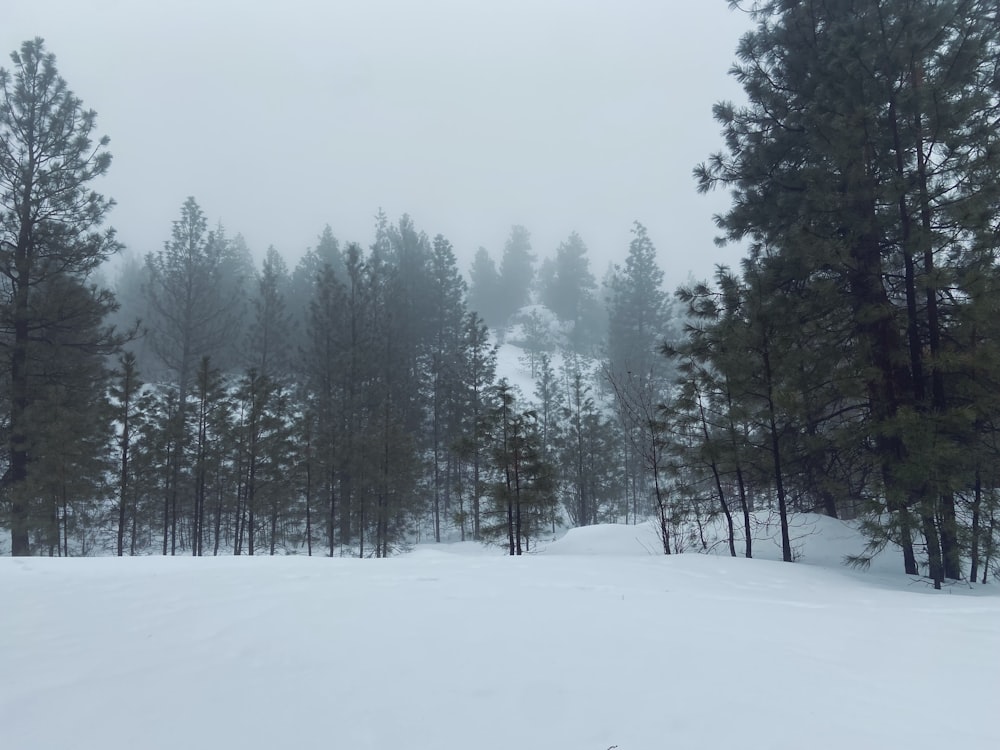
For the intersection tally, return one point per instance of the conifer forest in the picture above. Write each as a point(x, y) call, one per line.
point(204, 397)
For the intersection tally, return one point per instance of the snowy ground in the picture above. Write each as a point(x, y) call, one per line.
point(593, 642)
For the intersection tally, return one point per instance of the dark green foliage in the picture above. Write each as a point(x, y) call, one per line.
point(864, 173)
point(477, 375)
point(444, 365)
point(523, 481)
point(51, 316)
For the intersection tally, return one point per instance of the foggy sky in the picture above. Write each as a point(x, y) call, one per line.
point(471, 116)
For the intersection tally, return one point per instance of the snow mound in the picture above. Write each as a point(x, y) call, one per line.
point(817, 540)
point(607, 540)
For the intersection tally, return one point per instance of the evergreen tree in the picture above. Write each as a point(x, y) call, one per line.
point(444, 365)
point(194, 310)
point(303, 281)
point(864, 161)
point(524, 498)
point(570, 290)
point(517, 272)
point(71, 423)
point(195, 296)
point(485, 295)
point(549, 400)
point(209, 445)
point(271, 327)
point(638, 312)
point(49, 229)
point(478, 373)
point(585, 452)
point(331, 406)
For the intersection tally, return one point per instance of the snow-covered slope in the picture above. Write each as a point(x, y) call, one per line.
point(592, 643)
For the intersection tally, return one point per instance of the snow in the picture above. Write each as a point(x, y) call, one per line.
point(595, 641)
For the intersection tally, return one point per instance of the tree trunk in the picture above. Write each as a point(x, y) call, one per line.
point(18, 476)
point(935, 567)
point(730, 531)
point(779, 484)
point(977, 504)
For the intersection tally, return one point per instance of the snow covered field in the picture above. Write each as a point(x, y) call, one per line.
point(593, 642)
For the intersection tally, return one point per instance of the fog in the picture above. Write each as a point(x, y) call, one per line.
point(279, 118)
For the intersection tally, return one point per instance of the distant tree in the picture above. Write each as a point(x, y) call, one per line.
point(638, 312)
point(538, 332)
point(405, 278)
point(195, 295)
point(304, 277)
point(444, 367)
point(270, 329)
point(237, 273)
point(132, 313)
point(517, 273)
point(50, 245)
point(194, 310)
point(570, 292)
point(586, 451)
point(549, 399)
point(484, 289)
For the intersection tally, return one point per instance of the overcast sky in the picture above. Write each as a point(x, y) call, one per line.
point(471, 116)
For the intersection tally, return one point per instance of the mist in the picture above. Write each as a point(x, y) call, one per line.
point(470, 117)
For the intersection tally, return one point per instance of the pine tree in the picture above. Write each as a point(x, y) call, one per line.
point(71, 426)
point(517, 272)
point(570, 292)
point(477, 379)
point(195, 296)
point(303, 281)
point(444, 363)
point(125, 395)
point(331, 407)
point(485, 296)
point(585, 451)
point(638, 312)
point(524, 498)
point(271, 327)
point(49, 230)
point(208, 446)
point(864, 161)
point(194, 308)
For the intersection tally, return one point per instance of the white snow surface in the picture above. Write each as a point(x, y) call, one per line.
point(596, 641)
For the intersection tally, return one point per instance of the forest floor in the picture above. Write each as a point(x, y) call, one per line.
point(595, 641)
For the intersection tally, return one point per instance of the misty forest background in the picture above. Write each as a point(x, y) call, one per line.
point(193, 401)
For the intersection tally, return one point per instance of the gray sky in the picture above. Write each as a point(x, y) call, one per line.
point(471, 116)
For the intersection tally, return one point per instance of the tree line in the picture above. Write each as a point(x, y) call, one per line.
point(846, 367)
point(210, 405)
